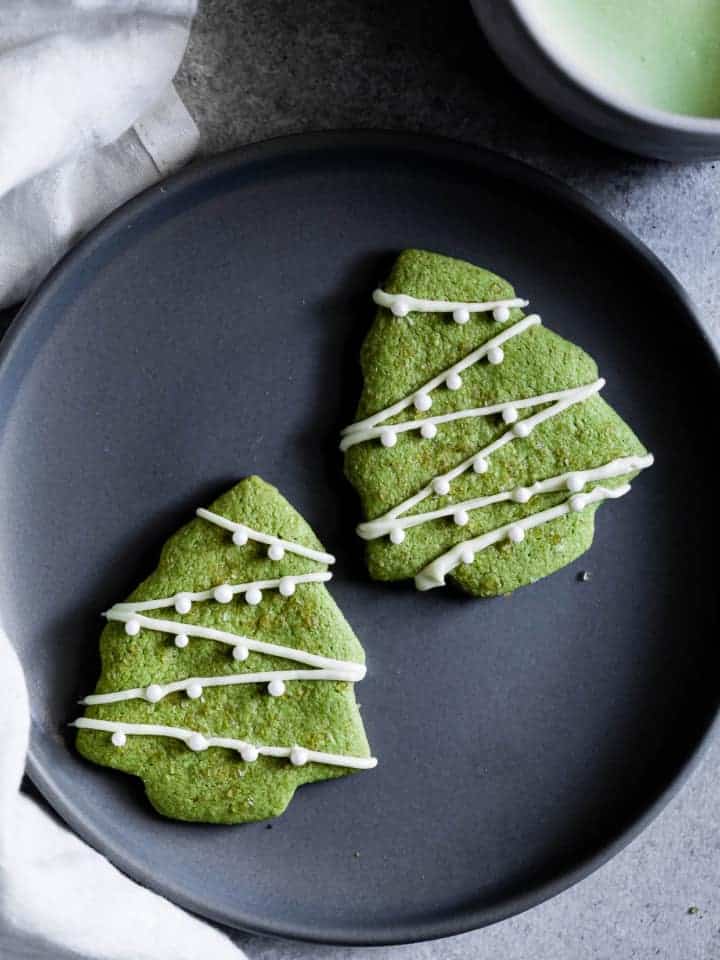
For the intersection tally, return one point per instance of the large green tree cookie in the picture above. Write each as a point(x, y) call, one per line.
point(227, 676)
point(482, 447)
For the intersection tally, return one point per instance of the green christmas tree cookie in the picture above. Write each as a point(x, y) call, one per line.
point(482, 447)
point(227, 676)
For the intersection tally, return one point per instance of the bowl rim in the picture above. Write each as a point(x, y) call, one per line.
point(529, 17)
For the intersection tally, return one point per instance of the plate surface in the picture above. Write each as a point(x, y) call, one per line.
point(210, 330)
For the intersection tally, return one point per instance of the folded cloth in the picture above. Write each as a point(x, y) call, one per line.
point(88, 118)
point(59, 899)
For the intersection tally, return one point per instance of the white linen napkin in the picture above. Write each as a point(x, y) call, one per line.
point(88, 118)
point(59, 899)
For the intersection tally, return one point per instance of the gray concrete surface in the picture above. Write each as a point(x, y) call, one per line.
point(259, 68)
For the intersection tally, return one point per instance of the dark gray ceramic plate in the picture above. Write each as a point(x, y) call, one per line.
point(210, 330)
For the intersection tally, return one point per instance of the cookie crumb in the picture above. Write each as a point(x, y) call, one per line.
point(584, 576)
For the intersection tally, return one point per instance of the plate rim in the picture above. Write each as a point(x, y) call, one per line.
point(484, 160)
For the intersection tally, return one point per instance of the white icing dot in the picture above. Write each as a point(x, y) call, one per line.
point(388, 438)
point(154, 692)
point(495, 355)
point(276, 688)
point(453, 381)
point(461, 315)
point(249, 753)
point(194, 691)
point(276, 552)
point(240, 652)
point(118, 739)
point(467, 555)
point(286, 586)
point(299, 756)
point(575, 482)
point(521, 495)
point(422, 401)
point(461, 518)
point(240, 537)
point(223, 593)
point(132, 627)
point(509, 414)
point(441, 486)
point(522, 429)
point(182, 640)
point(197, 742)
point(397, 535)
point(501, 314)
point(400, 307)
point(183, 603)
point(253, 596)
point(428, 431)
point(516, 534)
point(480, 465)
point(578, 502)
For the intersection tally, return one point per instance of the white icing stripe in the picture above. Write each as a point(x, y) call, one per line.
point(178, 628)
point(232, 590)
point(576, 395)
point(195, 685)
point(288, 546)
point(394, 409)
point(402, 303)
point(197, 741)
point(474, 412)
point(433, 575)
point(574, 481)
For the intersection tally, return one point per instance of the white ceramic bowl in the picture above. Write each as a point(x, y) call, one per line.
point(536, 59)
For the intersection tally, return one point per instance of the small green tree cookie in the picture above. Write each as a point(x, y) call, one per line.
point(227, 676)
point(482, 447)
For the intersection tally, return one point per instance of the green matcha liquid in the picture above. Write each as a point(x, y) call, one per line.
point(662, 53)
